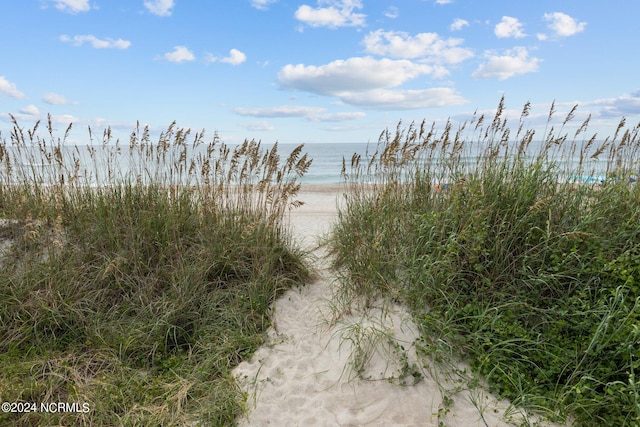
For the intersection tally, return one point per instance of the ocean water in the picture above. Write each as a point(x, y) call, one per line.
point(327, 162)
point(94, 168)
point(327, 159)
point(325, 168)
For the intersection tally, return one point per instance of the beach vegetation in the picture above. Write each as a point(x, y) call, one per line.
point(134, 277)
point(515, 251)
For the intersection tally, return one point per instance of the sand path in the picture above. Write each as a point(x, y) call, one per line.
point(302, 375)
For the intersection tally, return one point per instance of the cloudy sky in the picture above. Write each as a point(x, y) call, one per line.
point(314, 70)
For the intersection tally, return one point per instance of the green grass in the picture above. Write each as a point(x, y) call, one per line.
point(140, 293)
point(531, 277)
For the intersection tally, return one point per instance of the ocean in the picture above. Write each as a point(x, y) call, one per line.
point(327, 161)
point(325, 168)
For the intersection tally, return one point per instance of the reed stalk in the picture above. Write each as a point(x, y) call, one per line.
point(506, 253)
point(136, 276)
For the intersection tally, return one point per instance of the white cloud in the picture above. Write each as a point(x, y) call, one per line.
point(30, 110)
point(56, 99)
point(624, 105)
point(261, 125)
point(332, 14)
point(384, 99)
point(26, 114)
point(392, 12)
point(444, 1)
point(509, 27)
point(367, 82)
point(314, 114)
point(95, 42)
point(262, 4)
point(353, 74)
point(424, 45)
point(10, 89)
point(563, 25)
point(458, 24)
point(339, 117)
point(159, 7)
point(64, 119)
point(235, 57)
point(281, 111)
point(515, 61)
point(72, 6)
point(179, 54)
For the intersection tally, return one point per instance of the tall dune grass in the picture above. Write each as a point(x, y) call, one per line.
point(134, 278)
point(507, 257)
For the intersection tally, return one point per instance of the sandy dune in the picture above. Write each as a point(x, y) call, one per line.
point(304, 375)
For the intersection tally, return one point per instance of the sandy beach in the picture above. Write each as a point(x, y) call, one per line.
point(303, 375)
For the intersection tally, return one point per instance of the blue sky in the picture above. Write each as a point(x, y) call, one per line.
point(314, 70)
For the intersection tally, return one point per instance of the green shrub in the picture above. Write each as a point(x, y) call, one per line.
point(530, 274)
point(139, 296)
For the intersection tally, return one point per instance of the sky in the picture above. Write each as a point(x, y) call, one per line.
point(314, 71)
